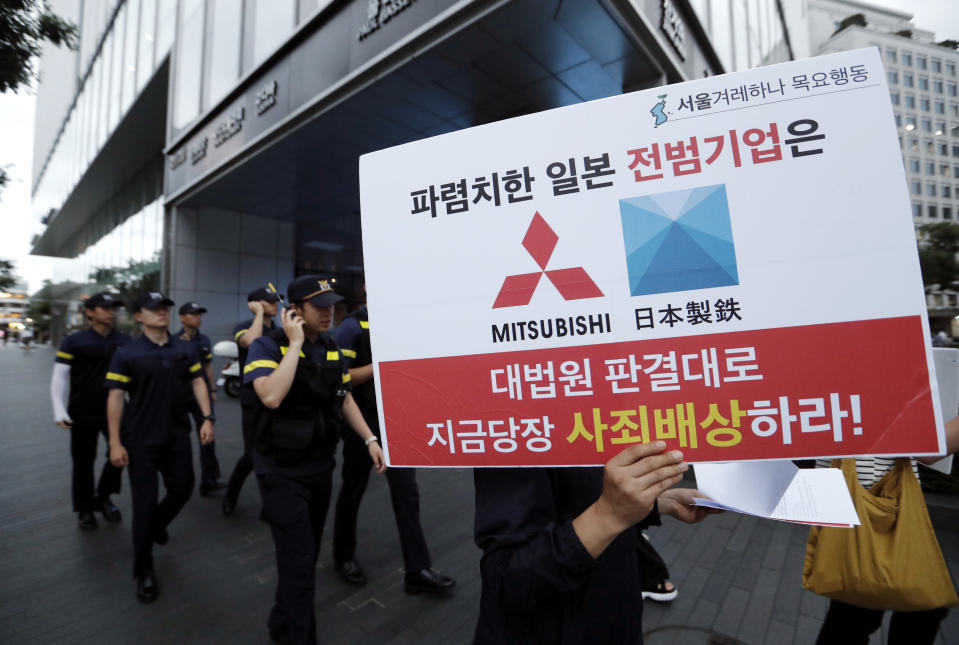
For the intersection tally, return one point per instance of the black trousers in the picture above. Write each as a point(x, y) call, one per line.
point(244, 465)
point(404, 494)
point(83, 449)
point(174, 463)
point(295, 507)
point(652, 569)
point(850, 625)
point(209, 464)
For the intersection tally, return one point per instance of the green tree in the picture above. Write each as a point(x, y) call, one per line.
point(938, 248)
point(6, 274)
point(24, 26)
point(130, 281)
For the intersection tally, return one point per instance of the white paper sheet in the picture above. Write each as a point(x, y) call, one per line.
point(777, 490)
point(946, 360)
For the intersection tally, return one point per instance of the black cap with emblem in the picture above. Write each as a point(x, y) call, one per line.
point(315, 289)
point(102, 299)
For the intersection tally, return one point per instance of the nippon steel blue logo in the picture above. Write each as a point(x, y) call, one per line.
point(679, 241)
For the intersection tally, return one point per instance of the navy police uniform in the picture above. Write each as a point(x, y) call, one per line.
point(539, 583)
point(293, 456)
point(292, 450)
point(353, 338)
point(88, 354)
point(156, 434)
point(209, 464)
point(248, 401)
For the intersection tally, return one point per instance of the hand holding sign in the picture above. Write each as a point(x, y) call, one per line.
point(632, 481)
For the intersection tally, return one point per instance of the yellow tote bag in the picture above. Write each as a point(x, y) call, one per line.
point(892, 561)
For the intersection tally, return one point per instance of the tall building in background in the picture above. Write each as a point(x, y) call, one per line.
point(208, 146)
point(923, 90)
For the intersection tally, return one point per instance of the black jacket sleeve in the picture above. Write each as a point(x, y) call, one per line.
point(531, 554)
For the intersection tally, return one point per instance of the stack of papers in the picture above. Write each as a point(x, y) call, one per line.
point(777, 490)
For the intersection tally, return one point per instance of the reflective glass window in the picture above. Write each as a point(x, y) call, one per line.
point(224, 49)
point(272, 22)
point(148, 17)
point(189, 56)
point(130, 53)
point(166, 20)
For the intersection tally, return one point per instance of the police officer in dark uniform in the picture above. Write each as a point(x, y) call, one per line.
point(353, 338)
point(81, 367)
point(303, 393)
point(191, 317)
point(262, 302)
point(154, 435)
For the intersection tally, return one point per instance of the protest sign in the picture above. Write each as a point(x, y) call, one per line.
point(728, 264)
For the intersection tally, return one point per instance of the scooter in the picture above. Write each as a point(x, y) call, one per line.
point(230, 375)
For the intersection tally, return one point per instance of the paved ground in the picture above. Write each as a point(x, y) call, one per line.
point(739, 577)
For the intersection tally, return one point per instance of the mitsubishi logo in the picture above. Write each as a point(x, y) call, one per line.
point(540, 241)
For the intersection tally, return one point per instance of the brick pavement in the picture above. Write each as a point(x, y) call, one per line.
point(739, 577)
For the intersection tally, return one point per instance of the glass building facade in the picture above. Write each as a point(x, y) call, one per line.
point(212, 144)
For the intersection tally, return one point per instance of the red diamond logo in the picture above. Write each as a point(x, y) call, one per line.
point(572, 283)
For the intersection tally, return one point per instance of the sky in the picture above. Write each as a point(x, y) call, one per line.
point(16, 146)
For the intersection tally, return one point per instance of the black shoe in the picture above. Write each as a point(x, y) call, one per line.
point(208, 488)
point(278, 636)
point(147, 588)
point(429, 581)
point(86, 521)
point(229, 505)
point(160, 536)
point(351, 571)
point(110, 512)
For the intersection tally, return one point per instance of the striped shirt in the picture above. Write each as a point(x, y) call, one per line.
point(869, 470)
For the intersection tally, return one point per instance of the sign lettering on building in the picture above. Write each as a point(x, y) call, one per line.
point(228, 127)
point(265, 97)
point(198, 150)
point(177, 158)
point(674, 27)
point(380, 12)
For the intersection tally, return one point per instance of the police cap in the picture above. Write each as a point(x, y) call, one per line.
point(263, 293)
point(102, 299)
point(192, 308)
point(317, 289)
point(151, 300)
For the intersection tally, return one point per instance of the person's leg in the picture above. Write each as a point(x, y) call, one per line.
point(848, 625)
point(111, 477)
point(915, 627)
point(405, 496)
point(654, 574)
point(244, 465)
point(178, 479)
point(83, 450)
point(144, 490)
point(356, 475)
point(321, 490)
point(286, 508)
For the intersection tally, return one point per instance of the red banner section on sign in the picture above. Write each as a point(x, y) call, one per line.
point(854, 388)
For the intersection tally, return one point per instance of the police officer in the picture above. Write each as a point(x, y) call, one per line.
point(81, 367)
point(191, 317)
point(262, 302)
point(353, 338)
point(153, 438)
point(303, 393)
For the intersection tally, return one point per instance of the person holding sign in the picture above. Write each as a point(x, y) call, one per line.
point(559, 545)
point(303, 395)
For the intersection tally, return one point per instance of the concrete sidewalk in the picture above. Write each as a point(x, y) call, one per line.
point(739, 577)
